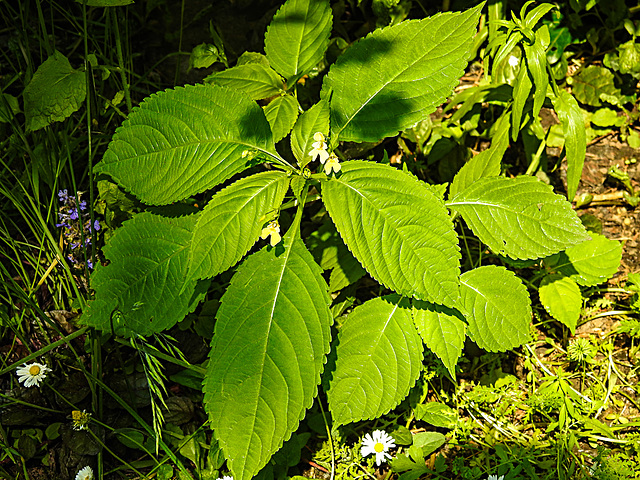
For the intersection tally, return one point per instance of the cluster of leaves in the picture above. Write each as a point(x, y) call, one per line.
point(274, 327)
point(272, 330)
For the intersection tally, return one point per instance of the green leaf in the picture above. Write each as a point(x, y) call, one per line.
point(499, 308)
point(54, 93)
point(519, 217)
point(316, 119)
point(429, 442)
point(183, 141)
point(606, 117)
point(332, 254)
point(298, 36)
point(398, 229)
point(271, 338)
point(9, 107)
point(591, 82)
point(589, 263)
point(282, 113)
point(203, 56)
point(537, 65)
point(520, 96)
point(232, 221)
point(396, 76)
point(378, 359)
point(486, 163)
point(258, 81)
point(562, 299)
point(575, 138)
point(253, 57)
point(142, 290)
point(442, 330)
point(436, 414)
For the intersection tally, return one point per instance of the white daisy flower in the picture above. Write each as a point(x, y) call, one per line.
point(513, 61)
point(495, 477)
point(379, 443)
point(85, 474)
point(32, 374)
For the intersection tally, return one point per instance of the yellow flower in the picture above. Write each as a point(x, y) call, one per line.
point(332, 164)
point(272, 229)
point(32, 374)
point(80, 419)
point(319, 148)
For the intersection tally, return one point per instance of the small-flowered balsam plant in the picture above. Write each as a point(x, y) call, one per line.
point(77, 227)
point(32, 374)
point(273, 327)
point(377, 443)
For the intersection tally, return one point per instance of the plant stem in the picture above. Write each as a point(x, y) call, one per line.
point(123, 75)
point(44, 350)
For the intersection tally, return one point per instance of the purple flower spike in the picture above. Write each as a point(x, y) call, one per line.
point(62, 195)
point(83, 206)
point(96, 225)
point(90, 264)
point(73, 214)
point(71, 259)
point(74, 246)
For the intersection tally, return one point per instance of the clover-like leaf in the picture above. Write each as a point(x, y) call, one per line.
point(398, 228)
point(271, 337)
point(183, 141)
point(143, 289)
point(378, 359)
point(499, 308)
point(519, 217)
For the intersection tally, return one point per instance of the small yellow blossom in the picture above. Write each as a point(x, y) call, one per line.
point(32, 374)
point(332, 164)
point(319, 148)
point(272, 229)
point(80, 419)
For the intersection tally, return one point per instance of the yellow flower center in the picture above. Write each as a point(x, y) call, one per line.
point(378, 447)
point(34, 370)
point(76, 414)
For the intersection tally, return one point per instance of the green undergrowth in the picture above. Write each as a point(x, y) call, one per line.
point(141, 385)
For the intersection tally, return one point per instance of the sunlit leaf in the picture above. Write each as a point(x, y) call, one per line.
point(271, 337)
point(379, 358)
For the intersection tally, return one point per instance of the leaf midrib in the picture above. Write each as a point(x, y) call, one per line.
point(398, 233)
